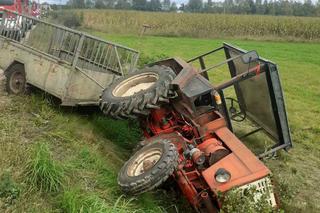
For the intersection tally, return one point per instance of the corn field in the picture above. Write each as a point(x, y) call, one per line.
point(203, 25)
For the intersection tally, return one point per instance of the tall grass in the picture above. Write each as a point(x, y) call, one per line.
point(203, 25)
point(74, 201)
point(42, 170)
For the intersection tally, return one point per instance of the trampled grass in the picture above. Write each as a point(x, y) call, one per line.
point(203, 25)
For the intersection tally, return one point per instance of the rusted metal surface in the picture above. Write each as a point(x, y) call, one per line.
point(66, 63)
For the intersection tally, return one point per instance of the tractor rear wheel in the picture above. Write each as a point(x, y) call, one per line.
point(137, 93)
point(148, 168)
point(16, 79)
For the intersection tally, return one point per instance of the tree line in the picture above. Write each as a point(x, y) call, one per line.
point(262, 7)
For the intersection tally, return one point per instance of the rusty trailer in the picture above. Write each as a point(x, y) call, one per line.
point(70, 65)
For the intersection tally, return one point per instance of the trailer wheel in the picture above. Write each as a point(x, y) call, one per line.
point(148, 168)
point(137, 93)
point(16, 79)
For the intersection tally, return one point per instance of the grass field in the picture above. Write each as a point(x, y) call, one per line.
point(62, 160)
point(203, 25)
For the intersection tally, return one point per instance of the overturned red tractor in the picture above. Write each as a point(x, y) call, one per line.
point(188, 126)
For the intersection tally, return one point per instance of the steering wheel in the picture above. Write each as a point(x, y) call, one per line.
point(236, 115)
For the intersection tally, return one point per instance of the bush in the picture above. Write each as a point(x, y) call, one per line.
point(9, 190)
point(71, 20)
point(68, 18)
point(236, 200)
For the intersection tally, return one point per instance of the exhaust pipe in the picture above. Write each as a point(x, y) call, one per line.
point(208, 203)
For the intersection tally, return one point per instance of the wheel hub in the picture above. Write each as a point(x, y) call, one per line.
point(17, 82)
point(144, 162)
point(135, 84)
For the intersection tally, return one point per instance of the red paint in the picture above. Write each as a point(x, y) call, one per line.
point(208, 133)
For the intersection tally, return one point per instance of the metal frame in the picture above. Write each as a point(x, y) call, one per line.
point(275, 92)
point(70, 46)
point(70, 65)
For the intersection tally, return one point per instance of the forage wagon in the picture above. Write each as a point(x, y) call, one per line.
point(70, 65)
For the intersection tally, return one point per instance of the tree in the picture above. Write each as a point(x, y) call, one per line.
point(317, 12)
point(244, 7)
point(259, 7)
point(154, 5)
point(265, 7)
point(228, 6)
point(166, 5)
point(173, 7)
point(195, 5)
point(252, 7)
point(139, 4)
point(99, 4)
point(207, 7)
point(110, 3)
point(308, 8)
point(77, 3)
point(182, 7)
point(286, 8)
point(89, 4)
point(122, 4)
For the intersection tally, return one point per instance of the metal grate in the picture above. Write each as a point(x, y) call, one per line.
point(70, 46)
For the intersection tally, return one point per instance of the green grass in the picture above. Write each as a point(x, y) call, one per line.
point(59, 160)
point(42, 171)
point(91, 149)
point(74, 201)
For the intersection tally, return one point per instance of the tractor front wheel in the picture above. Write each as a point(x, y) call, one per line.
point(148, 168)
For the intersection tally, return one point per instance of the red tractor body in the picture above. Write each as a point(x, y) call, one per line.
point(194, 117)
point(215, 147)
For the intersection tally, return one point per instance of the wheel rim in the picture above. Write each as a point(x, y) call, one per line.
point(135, 84)
point(17, 82)
point(144, 162)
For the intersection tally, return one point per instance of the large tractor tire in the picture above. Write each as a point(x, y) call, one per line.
point(137, 93)
point(148, 168)
point(16, 79)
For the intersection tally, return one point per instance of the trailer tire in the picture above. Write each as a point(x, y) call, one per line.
point(164, 158)
point(137, 93)
point(16, 79)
